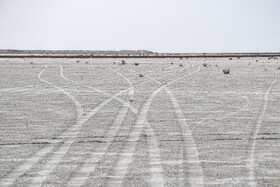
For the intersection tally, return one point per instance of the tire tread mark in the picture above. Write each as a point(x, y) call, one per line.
point(126, 157)
point(84, 172)
point(251, 164)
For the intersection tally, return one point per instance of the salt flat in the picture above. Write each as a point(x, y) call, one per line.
point(96, 122)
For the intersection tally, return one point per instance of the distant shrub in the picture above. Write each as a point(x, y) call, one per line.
point(136, 64)
point(278, 68)
point(172, 63)
point(78, 61)
point(226, 71)
point(123, 62)
point(230, 58)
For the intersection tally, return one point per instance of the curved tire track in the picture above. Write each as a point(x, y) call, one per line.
point(194, 174)
point(71, 132)
point(29, 163)
point(126, 156)
point(252, 148)
point(84, 171)
point(190, 152)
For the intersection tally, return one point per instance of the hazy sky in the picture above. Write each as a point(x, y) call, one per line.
point(158, 25)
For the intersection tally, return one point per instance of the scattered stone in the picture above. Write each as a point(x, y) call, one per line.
point(181, 65)
point(226, 71)
point(31, 62)
point(114, 62)
point(141, 75)
point(172, 63)
point(86, 62)
point(204, 64)
point(123, 62)
point(78, 61)
point(278, 68)
point(216, 65)
point(256, 60)
point(136, 64)
point(230, 58)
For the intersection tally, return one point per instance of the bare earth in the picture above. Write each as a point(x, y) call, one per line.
point(99, 123)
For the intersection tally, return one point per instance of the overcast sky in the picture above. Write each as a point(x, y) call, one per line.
point(157, 25)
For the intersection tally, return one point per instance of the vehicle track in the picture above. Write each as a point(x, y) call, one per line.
point(252, 147)
point(156, 170)
point(84, 171)
point(72, 131)
point(195, 173)
point(21, 169)
point(126, 157)
point(156, 176)
point(49, 166)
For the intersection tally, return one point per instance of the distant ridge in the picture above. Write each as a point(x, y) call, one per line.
point(12, 53)
point(16, 51)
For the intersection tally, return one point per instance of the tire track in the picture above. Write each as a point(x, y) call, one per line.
point(225, 115)
point(154, 152)
point(85, 170)
point(72, 132)
point(115, 97)
point(28, 164)
point(156, 170)
point(126, 157)
point(131, 89)
point(252, 148)
point(194, 172)
point(17, 89)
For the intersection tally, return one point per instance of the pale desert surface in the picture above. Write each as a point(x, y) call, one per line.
point(96, 122)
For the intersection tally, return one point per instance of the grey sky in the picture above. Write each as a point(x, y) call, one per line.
point(158, 25)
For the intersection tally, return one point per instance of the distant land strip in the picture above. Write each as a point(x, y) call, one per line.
point(122, 54)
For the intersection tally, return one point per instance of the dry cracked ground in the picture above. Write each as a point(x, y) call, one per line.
point(159, 122)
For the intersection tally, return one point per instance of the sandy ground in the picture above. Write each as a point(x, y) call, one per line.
point(98, 123)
